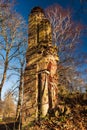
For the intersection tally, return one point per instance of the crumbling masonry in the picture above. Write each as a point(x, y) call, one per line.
point(40, 80)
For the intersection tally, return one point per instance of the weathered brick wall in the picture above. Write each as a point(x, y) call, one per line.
point(40, 72)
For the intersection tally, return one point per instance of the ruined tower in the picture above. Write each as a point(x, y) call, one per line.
point(40, 79)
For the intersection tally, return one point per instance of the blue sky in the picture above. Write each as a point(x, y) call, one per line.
point(79, 10)
point(24, 6)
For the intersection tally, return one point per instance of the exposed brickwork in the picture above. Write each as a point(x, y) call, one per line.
point(40, 84)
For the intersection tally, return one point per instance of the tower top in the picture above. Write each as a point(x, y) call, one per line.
point(37, 9)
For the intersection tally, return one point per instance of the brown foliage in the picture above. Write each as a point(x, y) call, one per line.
point(9, 106)
point(73, 119)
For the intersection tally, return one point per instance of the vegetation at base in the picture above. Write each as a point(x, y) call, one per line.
point(70, 114)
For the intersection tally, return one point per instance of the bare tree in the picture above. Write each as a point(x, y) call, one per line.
point(9, 109)
point(66, 35)
point(20, 89)
point(12, 39)
point(65, 31)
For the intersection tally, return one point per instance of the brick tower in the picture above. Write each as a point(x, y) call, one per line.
point(40, 79)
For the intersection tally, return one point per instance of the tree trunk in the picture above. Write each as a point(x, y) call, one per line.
point(18, 113)
point(0, 93)
point(4, 73)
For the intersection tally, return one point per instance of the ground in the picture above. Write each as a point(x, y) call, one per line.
point(9, 125)
point(70, 114)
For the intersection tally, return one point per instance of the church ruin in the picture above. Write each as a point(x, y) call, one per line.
point(40, 79)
